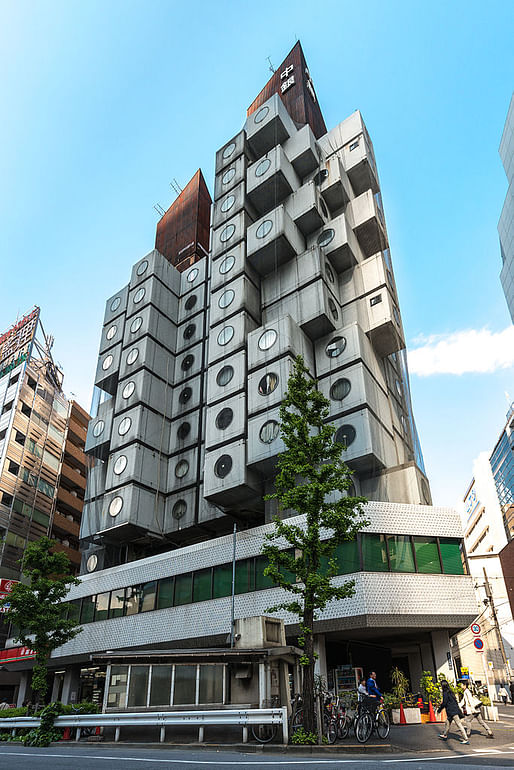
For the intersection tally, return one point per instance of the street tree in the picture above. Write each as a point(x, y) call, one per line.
point(37, 609)
point(312, 480)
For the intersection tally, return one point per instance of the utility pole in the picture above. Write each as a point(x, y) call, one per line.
point(497, 629)
point(233, 587)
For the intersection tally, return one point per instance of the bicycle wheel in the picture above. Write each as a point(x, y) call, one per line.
point(330, 729)
point(382, 724)
point(264, 733)
point(364, 727)
point(343, 727)
point(296, 721)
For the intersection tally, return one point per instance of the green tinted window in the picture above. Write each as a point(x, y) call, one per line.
point(427, 555)
point(245, 576)
point(374, 553)
point(117, 603)
point(202, 588)
point(165, 594)
point(347, 557)
point(183, 589)
point(102, 606)
point(40, 517)
point(74, 609)
point(222, 581)
point(88, 609)
point(262, 580)
point(288, 575)
point(401, 557)
point(148, 591)
point(451, 556)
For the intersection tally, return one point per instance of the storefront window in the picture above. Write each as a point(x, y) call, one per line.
point(451, 556)
point(374, 553)
point(117, 696)
point(401, 557)
point(138, 687)
point(427, 555)
point(211, 684)
point(160, 687)
point(185, 685)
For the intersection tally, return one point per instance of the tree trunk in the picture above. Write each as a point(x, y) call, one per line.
point(309, 720)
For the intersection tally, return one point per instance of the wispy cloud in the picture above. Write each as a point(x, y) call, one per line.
point(463, 352)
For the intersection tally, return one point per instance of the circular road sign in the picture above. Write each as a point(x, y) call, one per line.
point(479, 645)
point(475, 628)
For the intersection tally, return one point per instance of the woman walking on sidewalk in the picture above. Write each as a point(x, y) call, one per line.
point(473, 706)
point(453, 713)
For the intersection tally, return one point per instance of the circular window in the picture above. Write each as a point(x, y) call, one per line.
point(190, 302)
point(269, 431)
point(99, 428)
point(128, 389)
point(132, 356)
point(115, 304)
point(321, 176)
point(107, 362)
point(340, 389)
point(264, 228)
point(179, 509)
point(142, 267)
point(335, 347)
point(181, 469)
point(225, 335)
point(223, 466)
point(224, 418)
point(111, 332)
point(228, 203)
point(227, 233)
point(326, 237)
point(396, 315)
point(229, 150)
point(398, 387)
point(227, 264)
point(92, 563)
point(139, 295)
point(120, 465)
point(189, 331)
point(345, 435)
point(187, 362)
point(115, 506)
point(268, 383)
point(136, 324)
point(124, 426)
point(333, 309)
point(261, 114)
point(183, 431)
point(226, 298)
point(192, 275)
point(185, 395)
point(228, 176)
point(330, 273)
point(224, 375)
point(267, 339)
point(262, 167)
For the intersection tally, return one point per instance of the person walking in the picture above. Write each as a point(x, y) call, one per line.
point(473, 708)
point(503, 694)
point(453, 713)
point(511, 688)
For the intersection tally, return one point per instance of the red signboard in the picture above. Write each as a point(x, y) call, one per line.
point(15, 654)
point(7, 585)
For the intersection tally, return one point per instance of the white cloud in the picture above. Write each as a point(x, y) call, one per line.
point(463, 352)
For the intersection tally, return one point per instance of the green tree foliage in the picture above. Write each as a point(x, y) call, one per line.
point(312, 480)
point(37, 609)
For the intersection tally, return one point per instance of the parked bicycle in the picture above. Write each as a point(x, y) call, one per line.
point(266, 733)
point(367, 721)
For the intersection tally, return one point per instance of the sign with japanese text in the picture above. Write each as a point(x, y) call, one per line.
point(14, 654)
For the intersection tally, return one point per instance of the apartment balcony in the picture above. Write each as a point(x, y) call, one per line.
point(74, 456)
point(366, 216)
point(360, 166)
point(73, 554)
point(71, 478)
point(65, 526)
point(77, 432)
point(5, 512)
point(270, 180)
point(273, 240)
point(68, 502)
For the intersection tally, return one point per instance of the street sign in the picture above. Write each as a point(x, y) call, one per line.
point(479, 645)
point(475, 628)
point(490, 664)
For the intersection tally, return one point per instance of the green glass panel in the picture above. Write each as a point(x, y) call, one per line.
point(347, 557)
point(183, 589)
point(160, 687)
point(290, 576)
point(374, 553)
point(202, 585)
point(40, 517)
point(148, 591)
point(165, 594)
point(222, 581)
point(185, 685)
point(74, 609)
point(138, 687)
point(117, 603)
point(427, 555)
point(401, 557)
point(102, 606)
point(245, 576)
point(262, 580)
point(451, 556)
point(87, 612)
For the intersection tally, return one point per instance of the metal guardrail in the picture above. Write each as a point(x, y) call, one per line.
point(162, 719)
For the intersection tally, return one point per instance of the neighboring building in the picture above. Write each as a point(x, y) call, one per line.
point(502, 466)
point(194, 362)
point(506, 223)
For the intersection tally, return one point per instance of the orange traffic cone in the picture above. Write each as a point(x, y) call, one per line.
point(403, 721)
point(431, 713)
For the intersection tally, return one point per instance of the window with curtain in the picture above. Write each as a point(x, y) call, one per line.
point(451, 555)
point(401, 557)
point(427, 555)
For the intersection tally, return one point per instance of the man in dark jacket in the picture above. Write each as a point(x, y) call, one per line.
point(453, 713)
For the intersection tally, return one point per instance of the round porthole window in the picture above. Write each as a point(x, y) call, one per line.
point(224, 375)
point(115, 304)
point(227, 233)
point(268, 383)
point(267, 339)
point(99, 428)
point(261, 114)
point(228, 203)
point(229, 150)
point(92, 562)
point(181, 469)
point(111, 331)
point(187, 362)
point(335, 347)
point(139, 295)
point(224, 418)
point(262, 167)
point(223, 466)
point(107, 362)
point(269, 431)
point(333, 308)
point(345, 435)
point(330, 273)
point(226, 298)
point(192, 275)
point(264, 228)
point(136, 324)
point(120, 465)
point(185, 395)
point(132, 356)
point(326, 237)
point(190, 302)
point(340, 389)
point(183, 431)
point(179, 509)
point(228, 176)
point(142, 267)
point(321, 176)
point(124, 426)
point(128, 389)
point(227, 264)
point(398, 387)
point(189, 331)
point(115, 506)
point(225, 335)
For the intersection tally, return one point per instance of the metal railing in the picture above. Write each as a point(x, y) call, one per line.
point(162, 719)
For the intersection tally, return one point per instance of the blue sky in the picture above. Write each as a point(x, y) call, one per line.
point(104, 103)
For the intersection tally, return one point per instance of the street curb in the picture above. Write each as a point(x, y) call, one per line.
point(250, 748)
